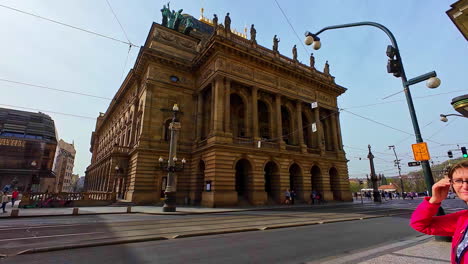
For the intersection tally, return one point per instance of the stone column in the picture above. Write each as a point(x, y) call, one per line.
point(340, 138)
point(227, 108)
point(218, 111)
point(319, 130)
point(279, 125)
point(334, 132)
point(199, 115)
point(300, 129)
point(255, 113)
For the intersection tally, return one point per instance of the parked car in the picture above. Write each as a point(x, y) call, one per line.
point(451, 195)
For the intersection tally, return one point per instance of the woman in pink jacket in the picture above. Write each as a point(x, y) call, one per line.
point(455, 225)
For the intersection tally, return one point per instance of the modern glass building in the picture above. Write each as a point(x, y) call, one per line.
point(27, 149)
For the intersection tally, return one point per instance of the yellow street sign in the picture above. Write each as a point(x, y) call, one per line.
point(420, 151)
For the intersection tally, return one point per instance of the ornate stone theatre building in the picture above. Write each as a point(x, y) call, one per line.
point(249, 130)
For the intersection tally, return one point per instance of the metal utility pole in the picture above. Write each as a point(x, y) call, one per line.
point(377, 197)
point(397, 163)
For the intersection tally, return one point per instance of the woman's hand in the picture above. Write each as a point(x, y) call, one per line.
point(440, 190)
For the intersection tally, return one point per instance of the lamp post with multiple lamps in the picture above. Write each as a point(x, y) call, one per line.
point(395, 66)
point(172, 164)
point(33, 177)
point(374, 178)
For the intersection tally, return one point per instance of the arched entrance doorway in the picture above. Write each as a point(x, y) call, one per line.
point(316, 177)
point(335, 183)
point(295, 180)
point(199, 182)
point(243, 171)
point(272, 182)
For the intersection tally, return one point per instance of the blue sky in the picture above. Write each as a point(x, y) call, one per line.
point(43, 53)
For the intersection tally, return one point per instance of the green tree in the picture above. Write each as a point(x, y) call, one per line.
point(354, 186)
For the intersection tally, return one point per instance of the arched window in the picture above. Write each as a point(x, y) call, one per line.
point(263, 120)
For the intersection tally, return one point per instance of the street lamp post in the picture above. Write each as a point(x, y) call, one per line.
point(396, 67)
point(172, 165)
point(375, 186)
point(33, 176)
point(397, 163)
point(444, 118)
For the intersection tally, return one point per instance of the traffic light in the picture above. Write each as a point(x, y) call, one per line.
point(465, 155)
point(394, 64)
point(450, 154)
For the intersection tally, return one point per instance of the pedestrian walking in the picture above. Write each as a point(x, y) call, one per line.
point(293, 196)
point(14, 197)
point(424, 218)
point(318, 198)
point(287, 197)
point(313, 196)
point(4, 201)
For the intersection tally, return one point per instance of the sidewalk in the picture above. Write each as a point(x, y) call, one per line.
point(422, 249)
point(181, 210)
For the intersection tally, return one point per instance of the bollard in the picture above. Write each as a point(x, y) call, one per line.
point(14, 213)
point(129, 209)
point(75, 211)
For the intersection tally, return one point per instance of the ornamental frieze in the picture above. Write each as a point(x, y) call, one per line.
point(241, 70)
point(287, 85)
point(205, 74)
point(220, 64)
point(265, 78)
point(325, 99)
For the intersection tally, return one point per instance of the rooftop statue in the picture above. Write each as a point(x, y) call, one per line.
point(294, 52)
point(166, 13)
point(312, 60)
point(326, 69)
point(227, 23)
point(275, 43)
point(253, 33)
point(189, 25)
point(174, 20)
point(215, 21)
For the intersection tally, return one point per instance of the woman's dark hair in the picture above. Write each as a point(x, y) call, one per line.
point(459, 165)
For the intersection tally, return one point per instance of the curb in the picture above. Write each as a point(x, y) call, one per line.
point(85, 245)
point(369, 254)
point(59, 215)
point(217, 232)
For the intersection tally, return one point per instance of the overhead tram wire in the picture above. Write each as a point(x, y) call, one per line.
point(442, 128)
point(70, 26)
point(120, 24)
point(287, 19)
point(126, 36)
point(55, 89)
point(396, 101)
point(382, 124)
point(48, 111)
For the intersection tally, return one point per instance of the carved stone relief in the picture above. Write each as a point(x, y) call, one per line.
point(325, 99)
point(265, 78)
point(241, 70)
